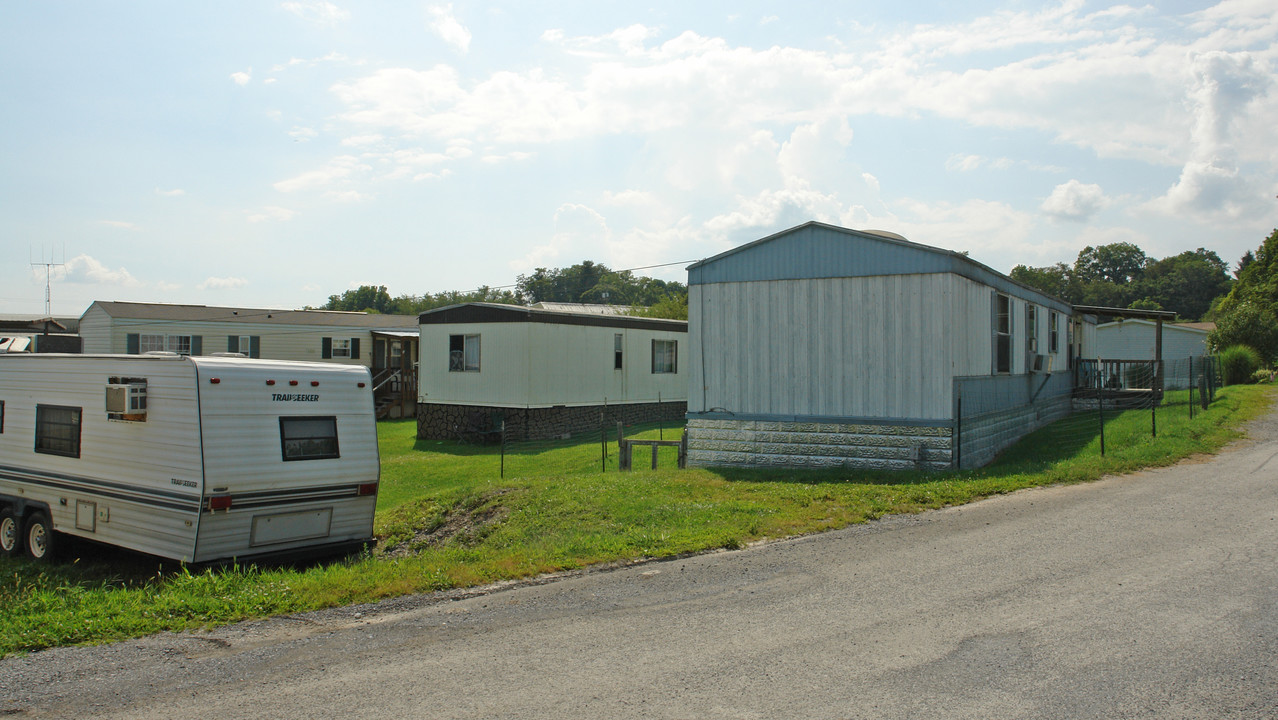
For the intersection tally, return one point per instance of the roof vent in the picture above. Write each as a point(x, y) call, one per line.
point(887, 234)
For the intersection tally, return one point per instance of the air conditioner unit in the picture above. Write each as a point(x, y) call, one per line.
point(1040, 363)
point(126, 402)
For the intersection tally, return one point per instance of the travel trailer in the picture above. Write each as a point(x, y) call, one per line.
point(197, 459)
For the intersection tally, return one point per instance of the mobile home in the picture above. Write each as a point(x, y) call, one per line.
point(197, 459)
point(823, 346)
point(546, 373)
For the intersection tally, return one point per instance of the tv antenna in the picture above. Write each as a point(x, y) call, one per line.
point(48, 277)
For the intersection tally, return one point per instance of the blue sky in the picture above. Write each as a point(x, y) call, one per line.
point(273, 154)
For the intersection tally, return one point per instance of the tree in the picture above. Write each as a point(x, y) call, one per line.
point(365, 298)
point(1186, 283)
point(1117, 263)
point(1249, 313)
point(590, 282)
point(1055, 280)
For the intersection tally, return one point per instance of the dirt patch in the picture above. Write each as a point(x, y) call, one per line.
point(463, 524)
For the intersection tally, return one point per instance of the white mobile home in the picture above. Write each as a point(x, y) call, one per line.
point(1133, 339)
point(546, 373)
point(196, 459)
point(386, 344)
point(824, 346)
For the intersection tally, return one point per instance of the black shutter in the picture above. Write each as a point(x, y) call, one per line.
point(132, 343)
point(255, 346)
point(197, 344)
point(326, 348)
point(354, 348)
point(232, 343)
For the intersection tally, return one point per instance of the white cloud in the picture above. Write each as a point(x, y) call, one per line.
point(337, 168)
point(323, 13)
point(362, 140)
point(242, 78)
point(222, 283)
point(84, 269)
point(272, 214)
point(303, 134)
point(347, 196)
point(121, 224)
point(1074, 200)
point(447, 27)
point(175, 192)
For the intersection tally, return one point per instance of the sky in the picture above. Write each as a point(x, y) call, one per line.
point(271, 154)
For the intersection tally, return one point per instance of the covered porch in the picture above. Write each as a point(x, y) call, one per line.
point(394, 368)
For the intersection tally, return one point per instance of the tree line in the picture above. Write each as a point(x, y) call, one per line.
point(585, 282)
point(1120, 275)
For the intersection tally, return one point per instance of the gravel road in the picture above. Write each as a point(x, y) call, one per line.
point(1149, 595)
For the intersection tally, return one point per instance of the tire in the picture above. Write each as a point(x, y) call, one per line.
point(40, 539)
point(10, 534)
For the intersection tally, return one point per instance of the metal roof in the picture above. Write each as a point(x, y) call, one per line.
point(498, 313)
point(258, 316)
point(818, 250)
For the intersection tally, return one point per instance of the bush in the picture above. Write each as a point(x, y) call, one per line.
point(1238, 363)
point(1261, 376)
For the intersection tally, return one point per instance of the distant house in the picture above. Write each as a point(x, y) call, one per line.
point(822, 346)
point(1133, 339)
point(387, 344)
point(546, 373)
point(39, 333)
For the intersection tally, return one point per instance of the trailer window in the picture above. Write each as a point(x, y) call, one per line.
point(463, 353)
point(664, 356)
point(57, 430)
point(1, 417)
point(308, 438)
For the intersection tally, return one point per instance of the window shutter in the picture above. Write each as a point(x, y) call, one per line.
point(326, 348)
point(255, 346)
point(132, 343)
point(354, 348)
point(232, 343)
point(197, 344)
point(993, 332)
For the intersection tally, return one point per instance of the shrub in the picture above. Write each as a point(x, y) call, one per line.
point(1237, 363)
point(1261, 376)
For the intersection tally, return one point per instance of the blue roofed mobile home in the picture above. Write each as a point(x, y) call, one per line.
point(824, 346)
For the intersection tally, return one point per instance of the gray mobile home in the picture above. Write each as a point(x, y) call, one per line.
point(823, 346)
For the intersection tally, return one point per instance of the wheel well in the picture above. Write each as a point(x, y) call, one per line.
point(21, 507)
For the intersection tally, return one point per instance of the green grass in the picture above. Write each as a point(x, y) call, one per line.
point(447, 519)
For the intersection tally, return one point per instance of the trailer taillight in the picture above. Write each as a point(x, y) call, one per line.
point(219, 502)
point(315, 383)
point(359, 384)
point(367, 489)
point(270, 382)
point(214, 381)
point(292, 382)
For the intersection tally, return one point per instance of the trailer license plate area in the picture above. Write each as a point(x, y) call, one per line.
point(288, 527)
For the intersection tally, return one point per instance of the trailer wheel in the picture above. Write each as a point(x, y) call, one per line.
point(40, 538)
point(10, 533)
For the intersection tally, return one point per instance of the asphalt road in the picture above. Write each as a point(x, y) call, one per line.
point(1153, 595)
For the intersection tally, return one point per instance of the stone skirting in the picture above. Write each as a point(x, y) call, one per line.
point(437, 421)
point(984, 436)
point(760, 443)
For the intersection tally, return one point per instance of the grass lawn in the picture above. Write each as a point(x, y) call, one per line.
point(446, 519)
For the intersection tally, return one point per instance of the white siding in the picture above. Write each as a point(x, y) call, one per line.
point(103, 334)
point(528, 364)
point(1134, 340)
point(148, 462)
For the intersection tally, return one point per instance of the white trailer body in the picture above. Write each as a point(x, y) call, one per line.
point(197, 459)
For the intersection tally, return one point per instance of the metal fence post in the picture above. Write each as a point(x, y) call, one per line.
point(1192, 383)
point(503, 449)
point(1100, 413)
